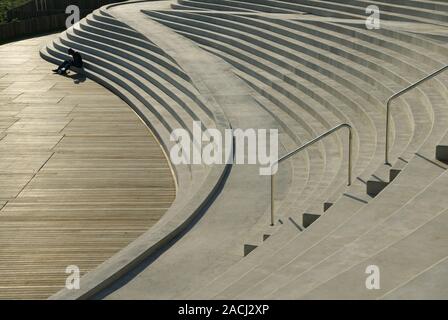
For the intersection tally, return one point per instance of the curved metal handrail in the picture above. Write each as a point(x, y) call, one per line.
point(399, 94)
point(306, 145)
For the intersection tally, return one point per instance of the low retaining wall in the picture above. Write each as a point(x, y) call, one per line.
point(38, 8)
point(31, 27)
point(33, 22)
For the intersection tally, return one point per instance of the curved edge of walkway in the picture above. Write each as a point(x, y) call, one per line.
point(189, 205)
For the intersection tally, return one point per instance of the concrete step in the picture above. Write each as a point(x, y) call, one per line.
point(429, 5)
point(233, 6)
point(356, 9)
point(139, 40)
point(176, 6)
point(399, 263)
point(148, 94)
point(135, 45)
point(299, 71)
point(417, 144)
point(172, 85)
point(112, 27)
point(412, 216)
point(430, 284)
point(393, 11)
point(397, 10)
point(417, 110)
point(100, 16)
point(420, 108)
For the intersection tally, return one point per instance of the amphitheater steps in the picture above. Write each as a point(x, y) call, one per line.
point(199, 84)
point(441, 89)
point(296, 79)
point(242, 6)
point(353, 10)
point(168, 87)
point(419, 130)
point(320, 203)
point(314, 179)
point(121, 75)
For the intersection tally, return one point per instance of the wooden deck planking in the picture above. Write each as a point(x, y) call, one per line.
point(80, 175)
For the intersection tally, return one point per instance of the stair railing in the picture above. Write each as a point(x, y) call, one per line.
point(306, 145)
point(399, 94)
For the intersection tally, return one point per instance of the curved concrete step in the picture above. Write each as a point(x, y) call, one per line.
point(170, 85)
point(138, 44)
point(418, 9)
point(150, 96)
point(299, 71)
point(278, 101)
point(400, 10)
point(416, 144)
point(398, 263)
point(356, 9)
point(429, 284)
point(112, 27)
point(231, 6)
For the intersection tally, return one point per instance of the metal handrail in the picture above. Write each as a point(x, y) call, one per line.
point(290, 154)
point(399, 94)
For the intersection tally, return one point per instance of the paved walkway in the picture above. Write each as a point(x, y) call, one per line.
point(80, 175)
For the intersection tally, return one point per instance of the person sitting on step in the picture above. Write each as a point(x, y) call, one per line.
point(76, 61)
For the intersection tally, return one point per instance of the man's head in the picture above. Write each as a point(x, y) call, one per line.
point(71, 51)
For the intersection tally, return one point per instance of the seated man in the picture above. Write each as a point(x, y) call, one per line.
point(75, 62)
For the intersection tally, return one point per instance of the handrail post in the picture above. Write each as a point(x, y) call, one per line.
point(350, 155)
point(309, 143)
point(397, 95)
point(272, 198)
point(386, 157)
